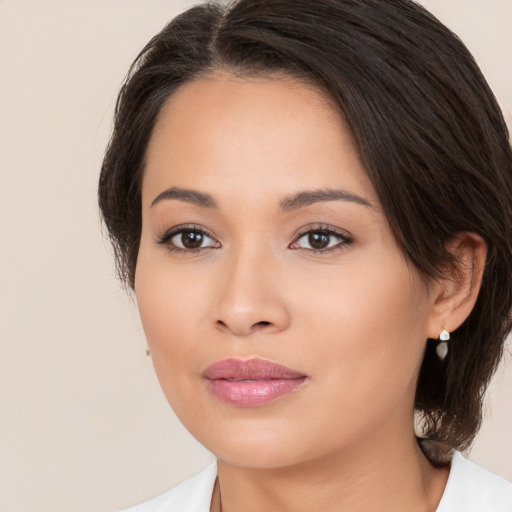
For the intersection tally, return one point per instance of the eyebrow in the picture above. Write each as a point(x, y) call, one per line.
point(188, 196)
point(295, 202)
point(309, 197)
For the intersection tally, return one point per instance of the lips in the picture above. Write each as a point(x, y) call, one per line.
point(252, 382)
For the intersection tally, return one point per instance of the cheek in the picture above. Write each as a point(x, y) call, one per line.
point(371, 297)
point(369, 327)
point(168, 307)
point(170, 316)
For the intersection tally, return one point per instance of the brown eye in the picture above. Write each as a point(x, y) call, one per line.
point(189, 239)
point(319, 240)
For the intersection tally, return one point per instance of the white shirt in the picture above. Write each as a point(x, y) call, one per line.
point(470, 488)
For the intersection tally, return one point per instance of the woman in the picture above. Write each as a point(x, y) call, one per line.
point(312, 202)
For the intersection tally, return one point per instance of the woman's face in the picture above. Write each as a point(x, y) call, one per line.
point(264, 246)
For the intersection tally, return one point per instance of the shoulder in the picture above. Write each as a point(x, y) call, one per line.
point(193, 495)
point(474, 489)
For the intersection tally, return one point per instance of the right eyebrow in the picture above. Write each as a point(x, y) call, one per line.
point(186, 195)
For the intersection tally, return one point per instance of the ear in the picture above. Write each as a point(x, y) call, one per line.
point(455, 294)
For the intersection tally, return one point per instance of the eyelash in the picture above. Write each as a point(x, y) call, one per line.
point(343, 238)
point(167, 237)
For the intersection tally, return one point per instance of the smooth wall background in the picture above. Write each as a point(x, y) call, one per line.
point(83, 423)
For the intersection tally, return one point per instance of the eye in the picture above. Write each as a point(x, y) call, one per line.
point(188, 239)
point(321, 240)
point(191, 240)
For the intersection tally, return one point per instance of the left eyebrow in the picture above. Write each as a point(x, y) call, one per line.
point(309, 197)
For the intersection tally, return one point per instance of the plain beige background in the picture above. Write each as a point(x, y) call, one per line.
point(83, 423)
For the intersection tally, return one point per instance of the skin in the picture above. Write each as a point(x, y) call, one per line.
point(354, 317)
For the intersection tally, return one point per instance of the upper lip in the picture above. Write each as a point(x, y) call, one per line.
point(249, 369)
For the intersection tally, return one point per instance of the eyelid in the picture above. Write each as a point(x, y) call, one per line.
point(175, 230)
point(344, 236)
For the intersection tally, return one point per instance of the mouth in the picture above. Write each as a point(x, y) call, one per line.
point(252, 382)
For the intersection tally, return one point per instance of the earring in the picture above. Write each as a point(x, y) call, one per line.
point(148, 352)
point(442, 346)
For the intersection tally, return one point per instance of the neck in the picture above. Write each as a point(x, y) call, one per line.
point(395, 476)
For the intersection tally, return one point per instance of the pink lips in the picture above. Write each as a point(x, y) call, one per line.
point(251, 382)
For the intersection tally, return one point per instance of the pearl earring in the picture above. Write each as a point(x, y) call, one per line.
point(442, 346)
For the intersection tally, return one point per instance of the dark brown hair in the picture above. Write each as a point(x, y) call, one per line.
point(426, 124)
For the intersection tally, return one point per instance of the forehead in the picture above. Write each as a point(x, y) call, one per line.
point(223, 91)
point(223, 131)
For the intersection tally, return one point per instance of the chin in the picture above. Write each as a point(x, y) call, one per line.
point(257, 444)
point(257, 455)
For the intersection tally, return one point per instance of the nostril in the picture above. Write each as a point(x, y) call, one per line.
point(243, 328)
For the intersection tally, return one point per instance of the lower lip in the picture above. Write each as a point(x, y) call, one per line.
point(251, 393)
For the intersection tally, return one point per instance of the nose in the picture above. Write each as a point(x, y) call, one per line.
point(250, 297)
